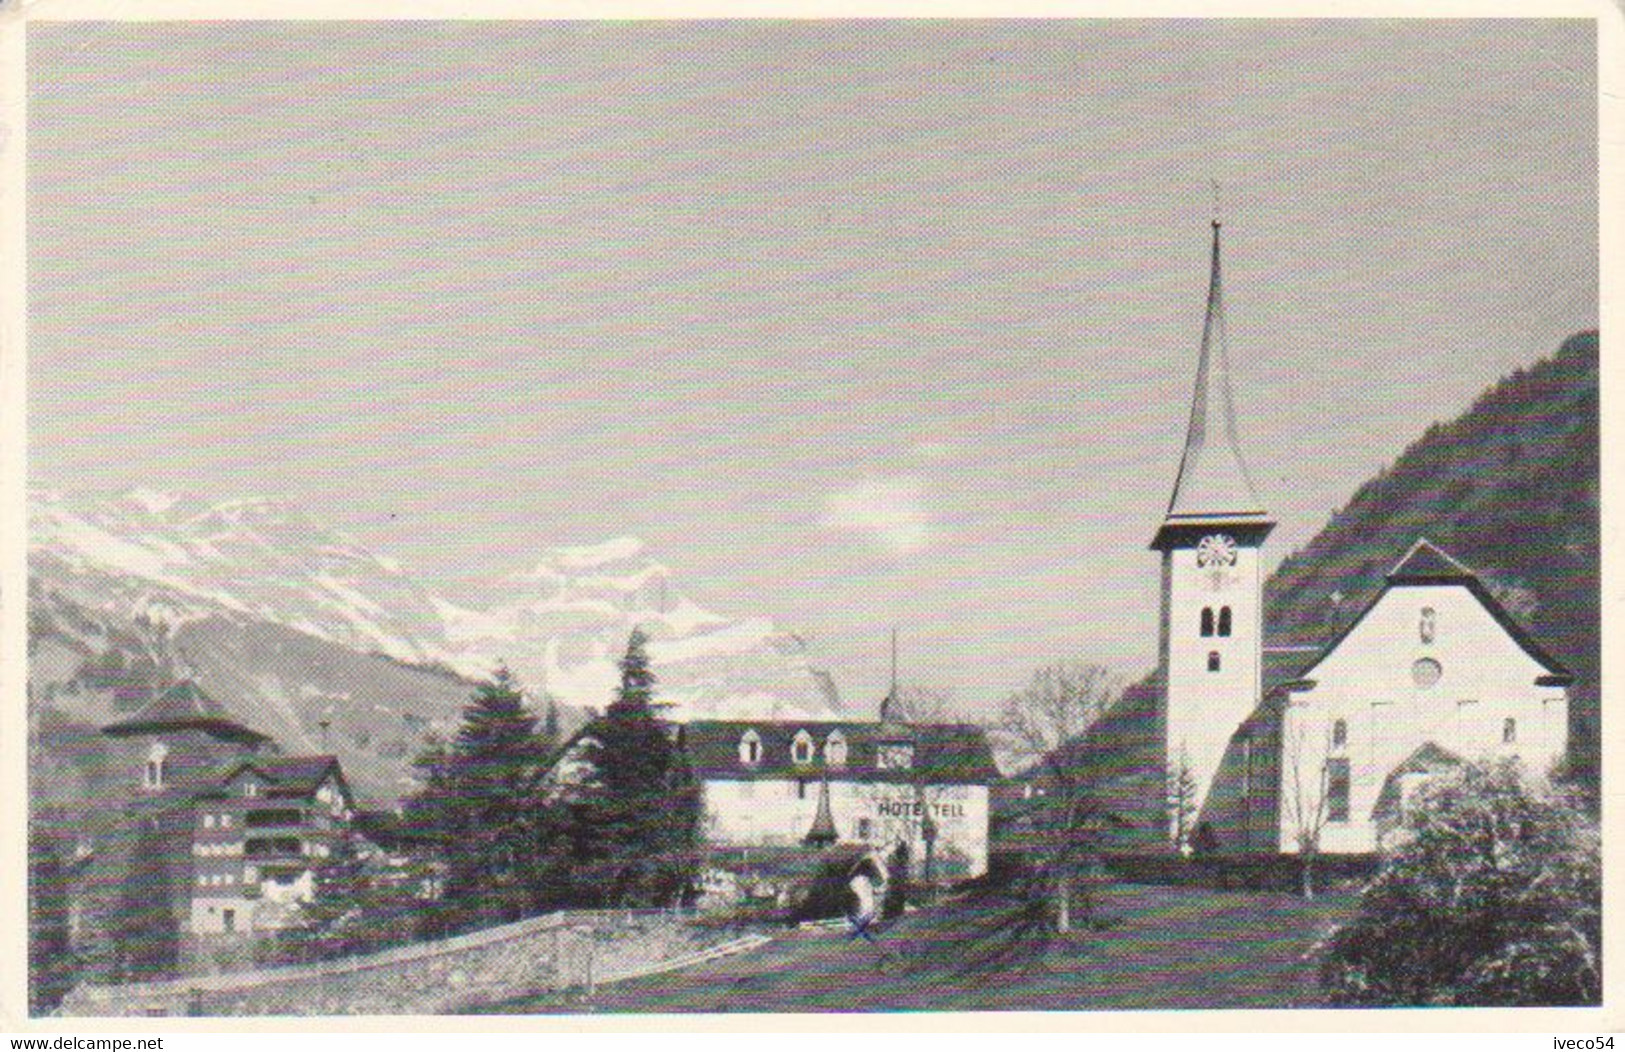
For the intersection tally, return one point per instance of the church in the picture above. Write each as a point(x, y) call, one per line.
point(1265, 750)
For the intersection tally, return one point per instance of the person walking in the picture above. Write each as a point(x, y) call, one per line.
point(864, 903)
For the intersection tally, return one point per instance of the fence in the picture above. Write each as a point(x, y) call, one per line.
point(556, 952)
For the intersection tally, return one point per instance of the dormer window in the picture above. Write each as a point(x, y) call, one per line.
point(801, 750)
point(251, 788)
point(835, 749)
point(894, 757)
point(157, 762)
point(750, 748)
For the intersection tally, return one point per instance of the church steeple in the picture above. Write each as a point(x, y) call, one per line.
point(1213, 487)
point(1212, 620)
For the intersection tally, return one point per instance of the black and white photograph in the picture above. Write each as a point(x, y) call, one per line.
point(809, 517)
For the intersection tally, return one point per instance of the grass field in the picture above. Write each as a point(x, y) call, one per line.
point(1157, 947)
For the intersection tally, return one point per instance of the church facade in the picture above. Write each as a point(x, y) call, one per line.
point(1278, 751)
point(1433, 672)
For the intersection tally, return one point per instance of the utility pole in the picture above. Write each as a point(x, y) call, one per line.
point(894, 661)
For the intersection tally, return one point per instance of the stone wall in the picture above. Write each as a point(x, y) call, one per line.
point(559, 951)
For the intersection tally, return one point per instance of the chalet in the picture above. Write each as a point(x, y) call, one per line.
point(218, 835)
point(259, 833)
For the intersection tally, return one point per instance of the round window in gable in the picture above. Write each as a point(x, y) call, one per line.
point(1426, 672)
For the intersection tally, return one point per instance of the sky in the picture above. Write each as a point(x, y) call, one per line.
point(855, 323)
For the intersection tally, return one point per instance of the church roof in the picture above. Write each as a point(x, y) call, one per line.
point(185, 706)
point(1213, 482)
point(1427, 564)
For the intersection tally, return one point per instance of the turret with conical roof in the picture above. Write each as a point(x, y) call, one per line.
point(823, 832)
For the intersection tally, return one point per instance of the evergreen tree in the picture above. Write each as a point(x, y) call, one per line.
point(479, 805)
point(640, 828)
point(550, 726)
point(50, 957)
point(634, 755)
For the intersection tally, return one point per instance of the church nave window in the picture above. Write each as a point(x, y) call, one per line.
point(1207, 621)
point(1224, 621)
point(1509, 731)
point(1337, 790)
point(1213, 661)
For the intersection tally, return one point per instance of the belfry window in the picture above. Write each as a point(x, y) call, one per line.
point(1207, 621)
point(750, 748)
point(1224, 621)
point(157, 760)
point(1213, 661)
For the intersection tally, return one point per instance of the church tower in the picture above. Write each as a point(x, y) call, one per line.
point(1212, 620)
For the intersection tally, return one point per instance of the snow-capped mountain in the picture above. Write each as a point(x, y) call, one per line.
point(174, 560)
point(184, 576)
point(563, 623)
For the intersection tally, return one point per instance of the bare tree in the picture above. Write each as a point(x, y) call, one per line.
point(1040, 730)
point(1304, 757)
point(1182, 790)
point(922, 704)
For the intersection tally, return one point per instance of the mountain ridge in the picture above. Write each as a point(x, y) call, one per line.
point(327, 646)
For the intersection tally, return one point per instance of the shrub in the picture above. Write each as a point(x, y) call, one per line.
point(1489, 895)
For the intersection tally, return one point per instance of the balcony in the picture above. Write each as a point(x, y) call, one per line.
point(274, 849)
point(279, 818)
